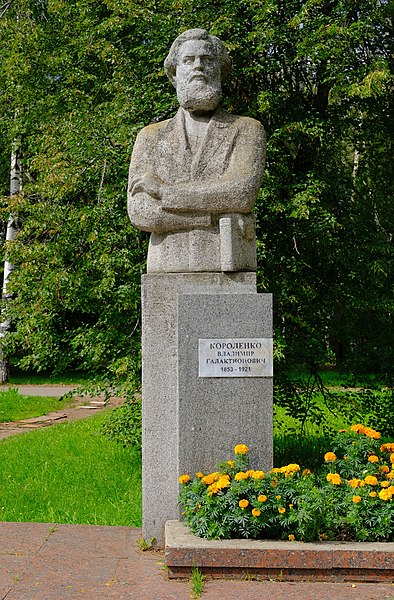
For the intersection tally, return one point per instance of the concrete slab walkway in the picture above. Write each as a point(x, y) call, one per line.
point(42, 561)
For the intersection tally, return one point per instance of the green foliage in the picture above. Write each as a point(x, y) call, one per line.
point(349, 498)
point(78, 79)
point(15, 406)
point(124, 424)
point(72, 475)
point(197, 583)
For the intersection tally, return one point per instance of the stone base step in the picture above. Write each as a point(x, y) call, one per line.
point(285, 561)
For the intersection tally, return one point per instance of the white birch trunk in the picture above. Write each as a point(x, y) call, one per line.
point(15, 188)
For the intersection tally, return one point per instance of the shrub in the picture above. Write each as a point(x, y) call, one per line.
point(349, 498)
point(124, 424)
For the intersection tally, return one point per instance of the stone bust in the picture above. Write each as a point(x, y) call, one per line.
point(194, 178)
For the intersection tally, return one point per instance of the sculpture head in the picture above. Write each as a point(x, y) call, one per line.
point(196, 65)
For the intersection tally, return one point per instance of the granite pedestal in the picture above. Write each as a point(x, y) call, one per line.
point(192, 421)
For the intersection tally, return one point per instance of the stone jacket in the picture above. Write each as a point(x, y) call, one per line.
point(202, 220)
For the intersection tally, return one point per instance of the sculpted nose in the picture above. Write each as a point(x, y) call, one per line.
point(198, 63)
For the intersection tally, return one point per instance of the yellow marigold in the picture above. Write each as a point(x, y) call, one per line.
point(371, 480)
point(334, 478)
point(373, 494)
point(390, 475)
point(230, 464)
point(292, 468)
point(274, 483)
point(291, 537)
point(306, 472)
point(391, 489)
point(243, 503)
point(241, 475)
point(323, 536)
point(392, 457)
point(256, 512)
point(281, 510)
point(209, 479)
point(262, 498)
point(330, 456)
point(373, 458)
point(368, 431)
point(384, 469)
point(385, 495)
point(278, 497)
point(222, 483)
point(356, 499)
point(277, 470)
point(258, 475)
point(241, 449)
point(354, 483)
point(184, 479)
point(213, 489)
point(358, 428)
point(384, 484)
point(199, 475)
point(387, 447)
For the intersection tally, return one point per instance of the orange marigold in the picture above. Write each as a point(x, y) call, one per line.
point(243, 503)
point(387, 447)
point(356, 499)
point(358, 428)
point(371, 480)
point(258, 475)
point(385, 495)
point(241, 449)
point(184, 479)
point(354, 483)
point(291, 537)
point(334, 478)
point(281, 510)
point(241, 475)
point(330, 456)
point(373, 458)
point(384, 484)
point(392, 457)
point(373, 494)
point(256, 512)
point(199, 475)
point(262, 498)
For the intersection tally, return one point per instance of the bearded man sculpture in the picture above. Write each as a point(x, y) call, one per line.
point(194, 179)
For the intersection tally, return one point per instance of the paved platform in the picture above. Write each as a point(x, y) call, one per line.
point(42, 561)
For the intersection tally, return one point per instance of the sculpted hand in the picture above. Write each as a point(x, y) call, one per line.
point(149, 183)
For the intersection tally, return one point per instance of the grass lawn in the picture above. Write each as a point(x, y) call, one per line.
point(15, 406)
point(70, 474)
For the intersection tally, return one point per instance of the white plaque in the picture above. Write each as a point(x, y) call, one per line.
point(235, 357)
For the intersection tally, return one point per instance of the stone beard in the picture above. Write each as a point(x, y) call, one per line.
point(194, 179)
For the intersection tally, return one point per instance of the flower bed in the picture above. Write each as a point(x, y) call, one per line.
point(349, 499)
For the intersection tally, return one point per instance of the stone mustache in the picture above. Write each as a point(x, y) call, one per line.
point(194, 178)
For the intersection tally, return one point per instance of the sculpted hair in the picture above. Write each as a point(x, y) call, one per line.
point(219, 50)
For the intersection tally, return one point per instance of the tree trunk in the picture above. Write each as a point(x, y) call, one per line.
point(15, 188)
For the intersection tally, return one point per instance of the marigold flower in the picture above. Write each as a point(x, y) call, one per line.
point(256, 512)
point(243, 503)
point(334, 478)
point(213, 489)
point(278, 497)
point(241, 475)
point(241, 449)
point(373, 458)
point(230, 464)
point(330, 456)
point(356, 499)
point(292, 468)
point(262, 498)
point(306, 472)
point(387, 447)
point(385, 495)
point(323, 536)
point(354, 483)
point(358, 428)
point(373, 494)
point(199, 475)
point(258, 475)
point(384, 469)
point(390, 475)
point(211, 478)
point(291, 537)
point(368, 431)
point(184, 479)
point(222, 483)
point(392, 457)
point(371, 480)
point(384, 484)
point(281, 510)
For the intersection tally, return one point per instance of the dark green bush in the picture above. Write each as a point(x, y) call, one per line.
point(124, 424)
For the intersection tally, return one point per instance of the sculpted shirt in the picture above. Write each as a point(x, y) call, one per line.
point(203, 220)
